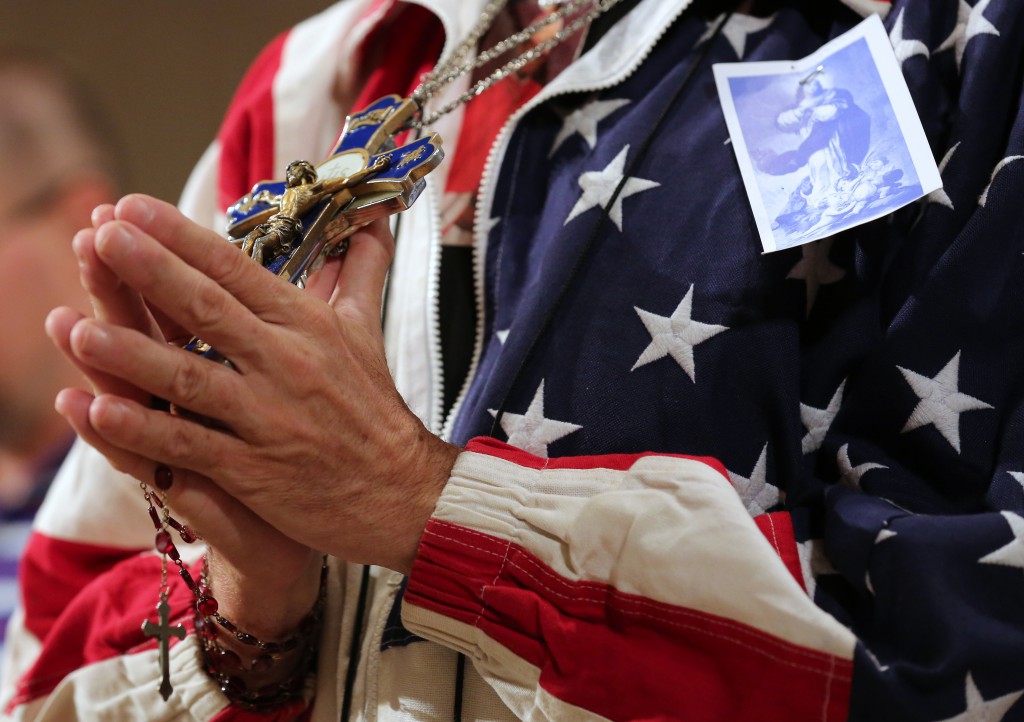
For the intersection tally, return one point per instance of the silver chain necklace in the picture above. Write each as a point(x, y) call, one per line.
point(461, 60)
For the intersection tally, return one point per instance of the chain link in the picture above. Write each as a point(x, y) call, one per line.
point(458, 64)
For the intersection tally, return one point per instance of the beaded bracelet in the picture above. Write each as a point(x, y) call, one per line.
point(296, 656)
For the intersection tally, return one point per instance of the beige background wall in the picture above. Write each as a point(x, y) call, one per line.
point(164, 69)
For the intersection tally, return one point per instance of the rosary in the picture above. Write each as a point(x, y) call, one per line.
point(290, 226)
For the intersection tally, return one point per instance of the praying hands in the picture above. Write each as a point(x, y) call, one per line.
point(304, 445)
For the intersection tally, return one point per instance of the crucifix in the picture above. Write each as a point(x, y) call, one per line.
point(164, 631)
point(291, 226)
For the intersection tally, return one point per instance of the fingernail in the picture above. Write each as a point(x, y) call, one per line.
point(110, 412)
point(76, 245)
point(96, 337)
point(114, 241)
point(60, 402)
point(134, 208)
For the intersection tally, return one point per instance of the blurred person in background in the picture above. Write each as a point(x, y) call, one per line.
point(55, 166)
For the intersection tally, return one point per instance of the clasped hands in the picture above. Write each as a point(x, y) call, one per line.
point(308, 445)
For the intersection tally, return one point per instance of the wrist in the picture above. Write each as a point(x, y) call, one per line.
point(431, 465)
point(256, 673)
point(268, 607)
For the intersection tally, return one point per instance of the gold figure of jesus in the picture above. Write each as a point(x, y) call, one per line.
point(303, 190)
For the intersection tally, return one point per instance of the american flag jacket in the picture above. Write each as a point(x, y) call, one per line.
point(699, 482)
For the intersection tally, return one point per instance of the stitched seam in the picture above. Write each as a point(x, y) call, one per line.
point(658, 606)
point(828, 689)
point(491, 552)
point(467, 530)
point(501, 568)
point(775, 539)
point(753, 636)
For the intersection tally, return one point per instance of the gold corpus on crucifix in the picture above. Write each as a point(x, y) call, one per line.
point(303, 190)
point(163, 631)
point(291, 226)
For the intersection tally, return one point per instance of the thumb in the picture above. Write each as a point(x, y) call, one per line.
point(364, 270)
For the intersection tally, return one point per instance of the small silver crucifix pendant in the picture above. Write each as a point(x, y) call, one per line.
point(164, 632)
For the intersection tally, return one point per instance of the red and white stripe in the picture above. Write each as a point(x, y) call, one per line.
point(546, 572)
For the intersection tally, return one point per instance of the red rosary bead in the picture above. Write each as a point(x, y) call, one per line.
point(163, 477)
point(187, 535)
point(155, 517)
point(233, 686)
point(228, 661)
point(262, 663)
point(163, 541)
point(207, 606)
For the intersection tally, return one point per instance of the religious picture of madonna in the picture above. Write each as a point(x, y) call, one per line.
point(823, 143)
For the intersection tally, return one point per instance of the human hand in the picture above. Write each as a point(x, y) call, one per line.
point(309, 430)
point(254, 560)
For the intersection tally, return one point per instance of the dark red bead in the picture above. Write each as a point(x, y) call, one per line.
point(163, 477)
point(246, 638)
point(172, 552)
point(228, 661)
point(206, 606)
point(233, 686)
point(155, 499)
point(156, 518)
point(262, 663)
point(183, 573)
point(173, 523)
point(206, 631)
point(187, 535)
point(227, 624)
point(163, 541)
point(273, 647)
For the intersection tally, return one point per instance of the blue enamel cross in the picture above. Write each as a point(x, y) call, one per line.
point(289, 225)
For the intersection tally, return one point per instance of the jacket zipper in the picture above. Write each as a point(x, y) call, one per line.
point(485, 199)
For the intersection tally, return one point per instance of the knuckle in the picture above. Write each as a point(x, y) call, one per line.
point(224, 263)
point(187, 382)
point(177, 444)
point(207, 306)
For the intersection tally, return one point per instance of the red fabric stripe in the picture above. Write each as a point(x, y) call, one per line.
point(398, 51)
point(247, 134)
point(658, 661)
point(615, 462)
point(104, 620)
point(777, 528)
point(53, 571)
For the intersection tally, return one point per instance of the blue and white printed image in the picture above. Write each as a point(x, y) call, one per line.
point(826, 147)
